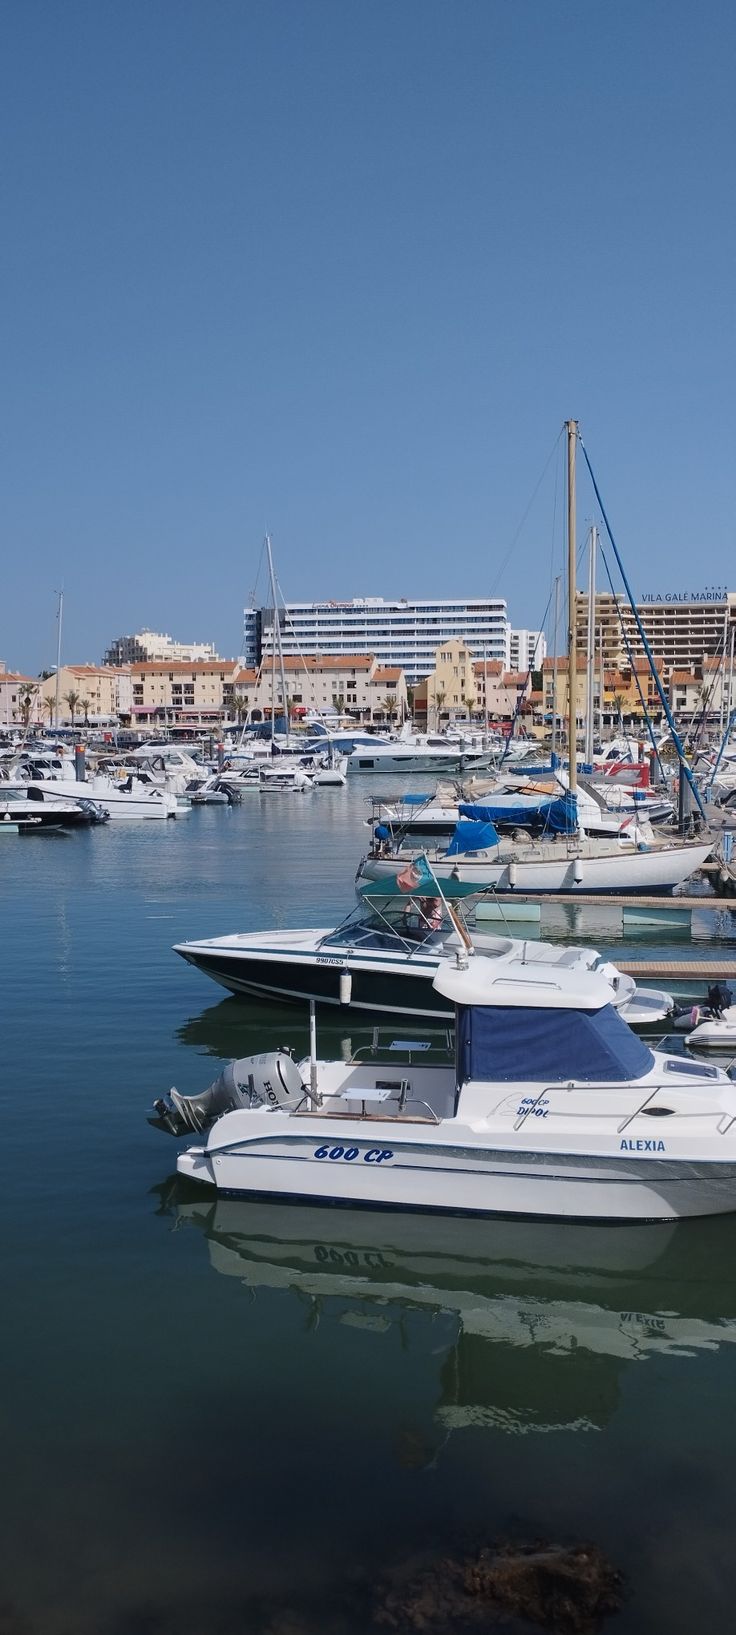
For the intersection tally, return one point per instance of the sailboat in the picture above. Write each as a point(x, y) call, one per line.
point(569, 861)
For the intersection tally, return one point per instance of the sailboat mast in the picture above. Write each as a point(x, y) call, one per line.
point(59, 618)
point(276, 637)
point(572, 432)
point(556, 630)
point(589, 723)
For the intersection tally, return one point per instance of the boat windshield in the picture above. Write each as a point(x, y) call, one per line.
point(408, 924)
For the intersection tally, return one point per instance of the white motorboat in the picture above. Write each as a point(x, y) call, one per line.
point(383, 958)
point(43, 806)
point(282, 775)
point(553, 1109)
point(421, 752)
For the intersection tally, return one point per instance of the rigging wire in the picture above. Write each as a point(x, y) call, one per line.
point(686, 769)
point(505, 560)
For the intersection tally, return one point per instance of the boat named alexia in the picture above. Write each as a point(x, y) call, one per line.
point(553, 1108)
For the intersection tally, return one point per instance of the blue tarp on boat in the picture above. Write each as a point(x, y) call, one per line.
point(556, 817)
point(534, 1044)
point(471, 837)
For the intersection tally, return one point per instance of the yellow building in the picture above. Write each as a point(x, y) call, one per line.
point(100, 693)
point(451, 686)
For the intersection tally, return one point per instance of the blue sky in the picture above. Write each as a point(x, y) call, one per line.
point(340, 269)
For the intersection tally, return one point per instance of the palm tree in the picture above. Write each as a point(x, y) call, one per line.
point(241, 711)
point(618, 704)
point(72, 699)
point(26, 694)
point(439, 699)
point(84, 704)
point(49, 704)
point(389, 705)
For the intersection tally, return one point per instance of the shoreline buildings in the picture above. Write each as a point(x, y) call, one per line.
point(153, 645)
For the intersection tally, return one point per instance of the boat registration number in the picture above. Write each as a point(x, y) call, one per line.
point(326, 959)
point(373, 1155)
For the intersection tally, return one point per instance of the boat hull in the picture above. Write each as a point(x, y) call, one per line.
point(392, 1170)
point(659, 870)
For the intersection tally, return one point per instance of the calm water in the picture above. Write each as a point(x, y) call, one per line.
point(224, 1417)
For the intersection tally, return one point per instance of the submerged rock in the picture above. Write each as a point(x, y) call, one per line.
point(569, 1589)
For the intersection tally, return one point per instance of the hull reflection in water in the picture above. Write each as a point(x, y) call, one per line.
point(529, 1328)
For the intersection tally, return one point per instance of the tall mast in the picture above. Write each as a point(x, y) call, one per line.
point(589, 723)
point(276, 638)
point(556, 629)
point(572, 432)
point(59, 617)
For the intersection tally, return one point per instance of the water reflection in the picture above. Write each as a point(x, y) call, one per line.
point(529, 1328)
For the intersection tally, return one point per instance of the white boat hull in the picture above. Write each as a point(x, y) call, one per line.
point(391, 1169)
point(626, 870)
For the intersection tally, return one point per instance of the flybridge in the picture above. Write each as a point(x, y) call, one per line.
point(716, 593)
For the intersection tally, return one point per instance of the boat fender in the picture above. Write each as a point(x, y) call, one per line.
point(577, 870)
point(695, 1015)
point(346, 987)
point(512, 872)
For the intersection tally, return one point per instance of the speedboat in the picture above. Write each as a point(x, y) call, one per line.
point(47, 808)
point(553, 1108)
point(383, 957)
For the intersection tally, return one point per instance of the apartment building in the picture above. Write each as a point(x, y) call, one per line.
point(681, 632)
point(351, 683)
point(101, 693)
point(191, 693)
point(527, 649)
point(14, 689)
point(153, 645)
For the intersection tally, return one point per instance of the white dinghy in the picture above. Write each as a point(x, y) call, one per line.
point(553, 1108)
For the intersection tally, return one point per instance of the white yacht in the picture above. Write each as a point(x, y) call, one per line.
point(421, 752)
point(553, 1108)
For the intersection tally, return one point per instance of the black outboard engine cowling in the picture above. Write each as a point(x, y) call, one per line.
point(719, 997)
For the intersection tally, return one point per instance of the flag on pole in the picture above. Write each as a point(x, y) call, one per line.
point(416, 873)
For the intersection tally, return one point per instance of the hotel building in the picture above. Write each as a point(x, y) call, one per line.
point(681, 633)
point(402, 633)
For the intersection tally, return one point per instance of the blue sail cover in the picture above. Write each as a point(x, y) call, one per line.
point(471, 837)
point(541, 1045)
point(557, 817)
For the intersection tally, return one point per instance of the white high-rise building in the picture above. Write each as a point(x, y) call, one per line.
point(151, 644)
point(403, 632)
point(527, 650)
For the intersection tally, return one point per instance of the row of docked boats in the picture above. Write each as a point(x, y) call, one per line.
point(552, 1105)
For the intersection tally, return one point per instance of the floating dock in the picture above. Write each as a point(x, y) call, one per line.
point(679, 970)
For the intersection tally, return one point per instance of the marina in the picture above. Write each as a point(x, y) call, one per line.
point(368, 794)
point(476, 1346)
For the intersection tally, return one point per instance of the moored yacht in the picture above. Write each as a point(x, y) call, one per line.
point(553, 1108)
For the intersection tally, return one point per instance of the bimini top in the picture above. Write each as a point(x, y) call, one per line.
point(540, 986)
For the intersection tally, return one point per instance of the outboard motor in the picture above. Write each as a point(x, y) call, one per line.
point(719, 998)
point(271, 1080)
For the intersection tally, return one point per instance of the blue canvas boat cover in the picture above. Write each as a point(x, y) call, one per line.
point(557, 817)
point(538, 1045)
point(471, 837)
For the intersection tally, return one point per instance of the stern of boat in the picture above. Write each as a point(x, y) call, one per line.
point(196, 1165)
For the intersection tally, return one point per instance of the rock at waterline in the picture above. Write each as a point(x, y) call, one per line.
point(567, 1590)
